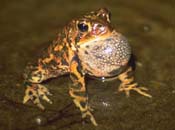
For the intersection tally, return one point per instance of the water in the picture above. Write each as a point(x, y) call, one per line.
point(28, 26)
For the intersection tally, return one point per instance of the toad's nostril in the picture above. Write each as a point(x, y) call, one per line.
point(99, 25)
point(98, 29)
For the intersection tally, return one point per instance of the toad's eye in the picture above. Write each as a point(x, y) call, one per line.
point(83, 27)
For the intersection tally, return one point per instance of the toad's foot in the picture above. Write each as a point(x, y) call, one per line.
point(86, 110)
point(88, 113)
point(81, 103)
point(126, 88)
point(35, 92)
point(128, 83)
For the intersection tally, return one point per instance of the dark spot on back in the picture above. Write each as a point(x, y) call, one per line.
point(87, 46)
point(64, 62)
point(86, 52)
point(69, 40)
point(30, 92)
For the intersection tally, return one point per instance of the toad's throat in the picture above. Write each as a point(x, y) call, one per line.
point(105, 57)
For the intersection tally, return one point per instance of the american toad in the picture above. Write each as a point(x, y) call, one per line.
point(87, 45)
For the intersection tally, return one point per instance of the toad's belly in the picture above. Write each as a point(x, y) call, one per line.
point(105, 57)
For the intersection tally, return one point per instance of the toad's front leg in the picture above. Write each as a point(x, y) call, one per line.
point(35, 75)
point(78, 92)
point(128, 83)
point(35, 92)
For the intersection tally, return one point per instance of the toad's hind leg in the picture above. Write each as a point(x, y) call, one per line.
point(128, 83)
point(78, 92)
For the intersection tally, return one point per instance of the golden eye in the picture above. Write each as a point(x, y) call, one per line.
point(83, 27)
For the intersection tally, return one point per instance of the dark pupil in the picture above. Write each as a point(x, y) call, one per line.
point(83, 27)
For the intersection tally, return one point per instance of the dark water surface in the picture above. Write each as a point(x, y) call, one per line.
point(26, 27)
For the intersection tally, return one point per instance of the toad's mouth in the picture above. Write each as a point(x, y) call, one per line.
point(104, 56)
